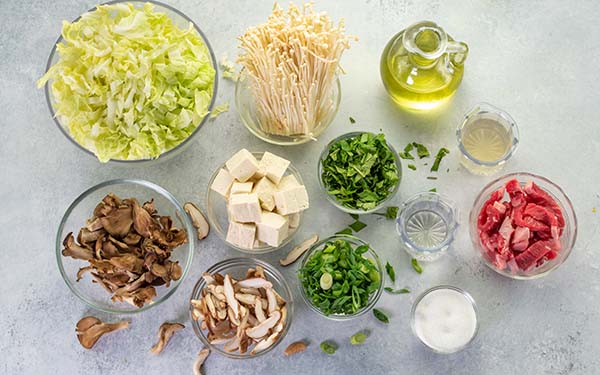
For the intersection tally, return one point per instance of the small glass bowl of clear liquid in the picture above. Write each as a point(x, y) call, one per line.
point(487, 138)
point(427, 224)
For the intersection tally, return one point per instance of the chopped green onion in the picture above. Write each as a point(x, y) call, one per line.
point(358, 338)
point(390, 271)
point(416, 265)
point(381, 316)
point(357, 226)
point(438, 159)
point(328, 347)
point(396, 291)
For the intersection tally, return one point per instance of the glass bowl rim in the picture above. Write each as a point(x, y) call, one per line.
point(223, 235)
point(482, 108)
point(249, 262)
point(125, 181)
point(568, 209)
point(267, 138)
point(447, 201)
point(465, 294)
point(332, 199)
point(356, 241)
point(169, 152)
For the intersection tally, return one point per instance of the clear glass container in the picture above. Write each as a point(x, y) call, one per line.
point(487, 138)
point(180, 20)
point(419, 299)
point(422, 66)
point(332, 198)
point(236, 268)
point(427, 223)
point(370, 254)
point(218, 217)
point(82, 209)
point(247, 108)
point(567, 239)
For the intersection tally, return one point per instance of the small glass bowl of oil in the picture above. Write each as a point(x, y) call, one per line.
point(427, 223)
point(487, 138)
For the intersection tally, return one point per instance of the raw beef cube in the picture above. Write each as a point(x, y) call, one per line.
point(517, 197)
point(520, 239)
point(494, 197)
point(540, 213)
point(527, 221)
point(535, 252)
point(506, 230)
point(539, 196)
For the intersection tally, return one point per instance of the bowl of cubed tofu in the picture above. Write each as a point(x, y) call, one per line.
point(255, 201)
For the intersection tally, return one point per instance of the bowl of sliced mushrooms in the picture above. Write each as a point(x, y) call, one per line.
point(124, 246)
point(241, 308)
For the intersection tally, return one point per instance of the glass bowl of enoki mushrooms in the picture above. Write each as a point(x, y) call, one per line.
point(241, 308)
point(288, 91)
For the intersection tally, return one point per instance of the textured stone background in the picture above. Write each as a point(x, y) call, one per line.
point(536, 59)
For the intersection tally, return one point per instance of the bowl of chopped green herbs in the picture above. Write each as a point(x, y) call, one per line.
point(340, 277)
point(359, 172)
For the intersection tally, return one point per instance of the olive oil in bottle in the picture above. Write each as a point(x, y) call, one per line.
point(422, 67)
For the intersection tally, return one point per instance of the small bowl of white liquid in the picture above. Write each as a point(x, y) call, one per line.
point(444, 319)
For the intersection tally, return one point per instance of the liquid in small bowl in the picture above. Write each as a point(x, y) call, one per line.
point(426, 224)
point(444, 318)
point(487, 139)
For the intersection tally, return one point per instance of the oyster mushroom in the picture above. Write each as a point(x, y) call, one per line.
point(142, 221)
point(118, 221)
point(75, 251)
point(200, 360)
point(165, 332)
point(198, 219)
point(89, 329)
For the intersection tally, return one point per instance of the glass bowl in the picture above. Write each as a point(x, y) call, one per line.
point(413, 325)
point(179, 19)
point(485, 111)
point(567, 239)
point(82, 209)
point(216, 207)
point(236, 268)
point(247, 108)
point(370, 254)
point(427, 224)
point(332, 198)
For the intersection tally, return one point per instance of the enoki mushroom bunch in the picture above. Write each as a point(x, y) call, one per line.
point(291, 62)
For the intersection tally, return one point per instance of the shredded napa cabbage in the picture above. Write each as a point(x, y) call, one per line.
point(129, 84)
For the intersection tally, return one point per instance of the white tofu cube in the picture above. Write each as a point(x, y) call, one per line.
point(241, 188)
point(242, 165)
point(241, 235)
point(258, 244)
point(244, 208)
point(222, 183)
point(272, 229)
point(294, 220)
point(287, 182)
point(264, 188)
point(291, 200)
point(273, 166)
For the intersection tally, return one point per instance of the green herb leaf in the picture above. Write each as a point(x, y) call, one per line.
point(438, 159)
point(345, 231)
point(406, 154)
point(360, 172)
point(358, 338)
point(396, 291)
point(390, 271)
point(357, 226)
point(422, 151)
point(433, 190)
point(352, 120)
point(412, 166)
point(416, 265)
point(328, 348)
point(354, 216)
point(431, 178)
point(391, 212)
point(381, 316)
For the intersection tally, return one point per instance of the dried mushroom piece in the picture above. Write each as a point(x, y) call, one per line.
point(165, 332)
point(299, 250)
point(90, 329)
point(128, 247)
point(242, 315)
point(198, 219)
point(202, 355)
point(294, 348)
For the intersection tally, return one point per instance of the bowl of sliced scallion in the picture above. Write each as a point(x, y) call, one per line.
point(359, 172)
point(340, 277)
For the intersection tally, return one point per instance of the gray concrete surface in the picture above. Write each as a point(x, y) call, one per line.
point(536, 59)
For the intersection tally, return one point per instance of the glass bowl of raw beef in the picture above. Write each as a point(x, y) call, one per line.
point(523, 225)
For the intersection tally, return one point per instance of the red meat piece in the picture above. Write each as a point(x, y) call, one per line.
point(541, 213)
point(536, 195)
point(516, 194)
point(527, 221)
point(535, 252)
point(520, 239)
point(506, 230)
point(482, 220)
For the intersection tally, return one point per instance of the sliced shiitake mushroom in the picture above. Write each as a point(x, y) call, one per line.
point(198, 219)
point(202, 355)
point(299, 250)
point(294, 348)
point(165, 332)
